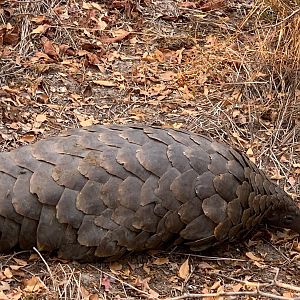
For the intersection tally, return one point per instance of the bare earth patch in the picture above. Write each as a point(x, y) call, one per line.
point(196, 65)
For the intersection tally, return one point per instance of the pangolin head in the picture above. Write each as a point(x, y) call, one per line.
point(285, 215)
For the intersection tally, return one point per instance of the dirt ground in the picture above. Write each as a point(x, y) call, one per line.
point(196, 65)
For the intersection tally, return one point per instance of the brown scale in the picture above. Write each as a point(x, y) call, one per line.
point(23, 200)
point(50, 233)
point(90, 167)
point(198, 159)
point(28, 233)
point(164, 191)
point(8, 166)
point(148, 189)
point(215, 208)
point(153, 157)
point(89, 199)
point(203, 142)
point(126, 156)
point(66, 173)
point(67, 202)
point(190, 210)
point(222, 230)
point(204, 186)
point(145, 218)
point(180, 187)
point(129, 193)
point(105, 220)
point(177, 158)
point(10, 231)
point(159, 135)
point(7, 209)
point(108, 161)
point(44, 186)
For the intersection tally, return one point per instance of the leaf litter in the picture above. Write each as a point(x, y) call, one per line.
point(180, 64)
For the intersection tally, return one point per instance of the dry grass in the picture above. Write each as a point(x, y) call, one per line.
point(234, 75)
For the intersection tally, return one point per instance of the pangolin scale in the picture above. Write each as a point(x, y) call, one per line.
point(102, 191)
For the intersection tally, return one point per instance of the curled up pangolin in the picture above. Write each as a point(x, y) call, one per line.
point(102, 191)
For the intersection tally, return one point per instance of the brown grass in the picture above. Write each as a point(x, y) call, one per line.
point(238, 80)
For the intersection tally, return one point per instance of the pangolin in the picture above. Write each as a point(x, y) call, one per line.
point(102, 191)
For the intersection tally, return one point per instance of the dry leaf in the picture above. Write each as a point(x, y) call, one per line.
point(20, 262)
point(237, 287)
point(216, 285)
point(292, 181)
point(49, 48)
point(28, 138)
point(105, 281)
point(3, 296)
point(168, 76)
point(38, 19)
point(252, 256)
point(276, 175)
point(40, 29)
point(117, 38)
point(161, 261)
point(7, 272)
point(184, 270)
point(115, 267)
point(41, 118)
point(107, 83)
point(87, 122)
point(34, 284)
point(249, 152)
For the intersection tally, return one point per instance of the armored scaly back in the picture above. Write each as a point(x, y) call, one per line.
point(101, 191)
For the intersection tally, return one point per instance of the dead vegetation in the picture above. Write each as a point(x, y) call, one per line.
point(226, 68)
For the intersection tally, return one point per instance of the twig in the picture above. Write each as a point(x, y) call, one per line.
point(123, 282)
point(284, 285)
point(220, 294)
point(46, 264)
point(206, 257)
point(283, 20)
point(246, 282)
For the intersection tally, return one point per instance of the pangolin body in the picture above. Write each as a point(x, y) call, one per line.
point(102, 191)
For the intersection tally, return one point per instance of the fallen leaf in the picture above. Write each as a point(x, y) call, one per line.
point(117, 38)
point(184, 270)
point(187, 4)
point(34, 284)
point(167, 76)
point(28, 138)
point(276, 175)
point(237, 287)
point(3, 296)
point(252, 256)
point(107, 83)
point(161, 261)
point(38, 19)
point(87, 122)
point(115, 267)
point(105, 281)
point(41, 118)
point(20, 262)
point(7, 272)
point(292, 181)
point(216, 285)
point(249, 152)
point(40, 29)
point(49, 48)
point(212, 5)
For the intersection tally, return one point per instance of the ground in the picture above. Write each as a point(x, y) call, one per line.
point(199, 65)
